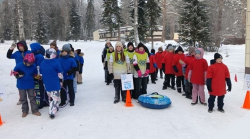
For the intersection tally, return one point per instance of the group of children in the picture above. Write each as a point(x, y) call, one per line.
point(191, 71)
point(57, 72)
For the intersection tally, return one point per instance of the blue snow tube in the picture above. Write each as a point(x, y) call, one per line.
point(154, 101)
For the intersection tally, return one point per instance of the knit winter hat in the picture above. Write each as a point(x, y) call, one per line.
point(179, 49)
point(78, 51)
point(130, 43)
point(66, 47)
point(29, 58)
point(140, 45)
point(217, 55)
point(191, 49)
point(170, 48)
point(152, 51)
point(50, 53)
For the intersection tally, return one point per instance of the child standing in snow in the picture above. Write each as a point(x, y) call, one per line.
point(130, 53)
point(25, 72)
point(51, 73)
point(177, 66)
point(109, 53)
point(69, 67)
point(153, 66)
point(158, 58)
point(197, 76)
point(54, 46)
point(168, 69)
point(188, 58)
point(119, 64)
point(141, 65)
point(81, 61)
point(217, 77)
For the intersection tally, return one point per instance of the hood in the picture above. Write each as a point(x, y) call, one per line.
point(202, 52)
point(36, 48)
point(24, 44)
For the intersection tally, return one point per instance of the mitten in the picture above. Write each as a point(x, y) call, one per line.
point(229, 84)
point(146, 73)
point(139, 73)
point(19, 74)
point(13, 46)
point(175, 68)
point(209, 88)
point(38, 77)
point(155, 65)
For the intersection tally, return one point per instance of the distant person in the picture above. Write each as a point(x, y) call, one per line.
point(104, 53)
point(81, 61)
point(54, 46)
point(217, 77)
point(158, 57)
point(153, 66)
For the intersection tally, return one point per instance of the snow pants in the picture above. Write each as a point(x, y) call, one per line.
point(161, 72)
point(140, 86)
point(118, 90)
point(179, 82)
point(54, 99)
point(198, 90)
point(32, 97)
point(169, 77)
point(153, 76)
point(67, 84)
point(75, 82)
point(220, 102)
point(188, 88)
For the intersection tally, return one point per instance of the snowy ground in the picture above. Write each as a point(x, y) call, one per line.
point(95, 116)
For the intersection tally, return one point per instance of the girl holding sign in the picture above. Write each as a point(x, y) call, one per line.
point(119, 64)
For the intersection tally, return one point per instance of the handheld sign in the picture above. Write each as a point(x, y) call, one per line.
point(127, 82)
point(246, 85)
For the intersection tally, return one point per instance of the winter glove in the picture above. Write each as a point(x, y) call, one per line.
point(13, 46)
point(111, 75)
point(175, 68)
point(71, 71)
point(19, 74)
point(139, 73)
point(209, 83)
point(37, 77)
point(155, 65)
point(146, 73)
point(229, 84)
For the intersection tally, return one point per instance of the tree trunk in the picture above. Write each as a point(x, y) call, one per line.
point(164, 17)
point(136, 36)
point(20, 20)
point(152, 40)
point(119, 32)
point(243, 18)
point(219, 22)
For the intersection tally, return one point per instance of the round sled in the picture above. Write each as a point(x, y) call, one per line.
point(154, 101)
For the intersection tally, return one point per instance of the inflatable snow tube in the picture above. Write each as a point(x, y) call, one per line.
point(154, 101)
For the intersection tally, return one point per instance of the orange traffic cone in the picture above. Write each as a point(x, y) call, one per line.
point(1, 122)
point(128, 100)
point(246, 104)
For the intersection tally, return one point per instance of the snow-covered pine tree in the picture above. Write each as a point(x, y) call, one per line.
point(6, 20)
point(152, 12)
point(75, 22)
point(111, 16)
point(194, 24)
point(89, 21)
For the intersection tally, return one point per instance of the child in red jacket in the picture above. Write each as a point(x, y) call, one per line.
point(158, 58)
point(176, 64)
point(197, 76)
point(168, 69)
point(217, 77)
point(153, 66)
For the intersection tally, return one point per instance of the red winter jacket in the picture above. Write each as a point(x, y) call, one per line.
point(218, 72)
point(152, 61)
point(167, 60)
point(176, 63)
point(188, 59)
point(199, 69)
point(158, 59)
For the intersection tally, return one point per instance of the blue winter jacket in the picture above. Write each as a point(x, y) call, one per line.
point(81, 60)
point(49, 69)
point(38, 51)
point(18, 55)
point(58, 54)
point(67, 64)
point(27, 81)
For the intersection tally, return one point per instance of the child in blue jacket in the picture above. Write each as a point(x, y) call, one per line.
point(51, 71)
point(69, 67)
point(25, 72)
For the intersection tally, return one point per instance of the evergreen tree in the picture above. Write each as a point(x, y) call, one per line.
point(111, 16)
point(194, 25)
point(6, 24)
point(142, 23)
point(15, 28)
point(41, 31)
point(153, 12)
point(75, 22)
point(90, 20)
